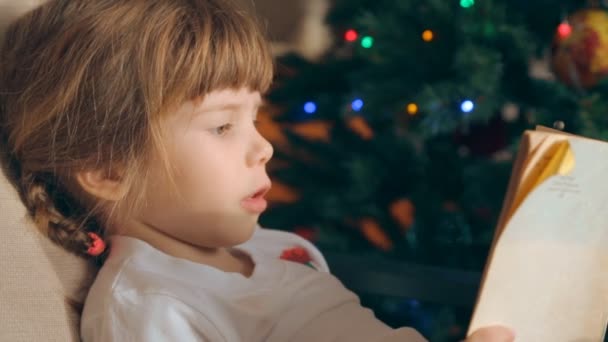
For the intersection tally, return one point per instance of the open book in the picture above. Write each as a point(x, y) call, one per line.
point(547, 272)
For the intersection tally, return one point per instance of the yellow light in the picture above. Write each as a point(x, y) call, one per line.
point(427, 35)
point(412, 109)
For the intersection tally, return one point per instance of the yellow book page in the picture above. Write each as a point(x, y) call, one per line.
point(527, 148)
point(530, 160)
point(539, 159)
point(557, 158)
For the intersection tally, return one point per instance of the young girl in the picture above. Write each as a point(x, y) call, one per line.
point(130, 133)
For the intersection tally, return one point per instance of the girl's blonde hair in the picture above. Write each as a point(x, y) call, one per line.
point(85, 84)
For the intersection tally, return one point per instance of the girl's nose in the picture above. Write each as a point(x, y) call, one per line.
point(262, 151)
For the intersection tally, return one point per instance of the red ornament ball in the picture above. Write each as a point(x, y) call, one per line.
point(564, 30)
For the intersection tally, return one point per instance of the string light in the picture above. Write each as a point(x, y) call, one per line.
point(351, 35)
point(357, 105)
point(564, 30)
point(412, 109)
point(467, 3)
point(367, 42)
point(310, 107)
point(427, 35)
point(467, 106)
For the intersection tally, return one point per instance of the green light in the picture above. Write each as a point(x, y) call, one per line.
point(367, 42)
point(467, 3)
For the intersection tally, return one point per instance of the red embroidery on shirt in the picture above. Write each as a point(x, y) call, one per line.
point(298, 254)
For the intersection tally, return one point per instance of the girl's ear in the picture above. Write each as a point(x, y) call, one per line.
point(101, 184)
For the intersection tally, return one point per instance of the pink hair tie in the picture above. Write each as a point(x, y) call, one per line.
point(97, 246)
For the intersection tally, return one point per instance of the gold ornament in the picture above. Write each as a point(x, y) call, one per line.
point(580, 48)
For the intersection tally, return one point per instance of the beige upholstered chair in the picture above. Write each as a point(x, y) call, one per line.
point(35, 278)
point(35, 275)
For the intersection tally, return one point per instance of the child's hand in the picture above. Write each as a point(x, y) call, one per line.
point(492, 334)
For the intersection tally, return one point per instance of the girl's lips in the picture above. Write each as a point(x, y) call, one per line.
point(256, 203)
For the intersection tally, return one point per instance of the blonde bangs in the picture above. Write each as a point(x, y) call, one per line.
point(239, 57)
point(215, 46)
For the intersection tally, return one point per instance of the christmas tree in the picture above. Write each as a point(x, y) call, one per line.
point(400, 140)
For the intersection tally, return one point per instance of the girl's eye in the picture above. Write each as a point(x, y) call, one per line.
point(223, 129)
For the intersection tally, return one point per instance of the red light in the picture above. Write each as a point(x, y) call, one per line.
point(564, 30)
point(351, 35)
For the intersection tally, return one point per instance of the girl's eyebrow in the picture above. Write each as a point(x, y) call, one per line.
point(234, 106)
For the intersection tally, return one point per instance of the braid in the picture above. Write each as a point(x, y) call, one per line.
point(54, 211)
point(58, 216)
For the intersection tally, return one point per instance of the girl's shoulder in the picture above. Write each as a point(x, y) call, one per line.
point(288, 246)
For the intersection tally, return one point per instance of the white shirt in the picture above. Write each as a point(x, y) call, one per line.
point(142, 294)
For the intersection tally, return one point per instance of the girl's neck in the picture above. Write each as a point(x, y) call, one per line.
point(225, 259)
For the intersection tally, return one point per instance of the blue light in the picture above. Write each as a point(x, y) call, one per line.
point(357, 105)
point(467, 106)
point(310, 107)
